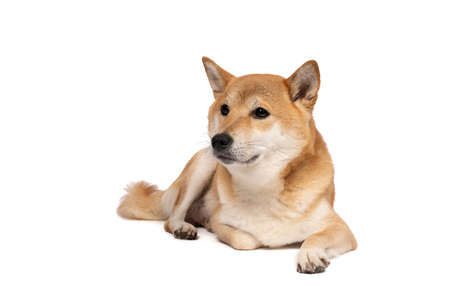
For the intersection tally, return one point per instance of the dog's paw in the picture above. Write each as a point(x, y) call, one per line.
point(182, 230)
point(312, 260)
point(184, 233)
point(240, 240)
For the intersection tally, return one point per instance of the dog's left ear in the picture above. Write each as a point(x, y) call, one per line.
point(218, 77)
point(304, 84)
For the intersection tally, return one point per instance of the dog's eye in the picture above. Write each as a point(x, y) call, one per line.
point(224, 109)
point(260, 113)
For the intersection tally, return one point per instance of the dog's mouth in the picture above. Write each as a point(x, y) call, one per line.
point(229, 159)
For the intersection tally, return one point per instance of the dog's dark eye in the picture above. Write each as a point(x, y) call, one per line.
point(260, 113)
point(224, 109)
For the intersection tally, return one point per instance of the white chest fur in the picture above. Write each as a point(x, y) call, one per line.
point(256, 209)
point(269, 220)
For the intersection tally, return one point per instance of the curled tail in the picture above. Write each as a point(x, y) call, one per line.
point(144, 201)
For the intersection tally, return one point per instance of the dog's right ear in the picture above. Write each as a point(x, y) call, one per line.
point(218, 77)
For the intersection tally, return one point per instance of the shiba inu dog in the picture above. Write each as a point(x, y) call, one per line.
point(267, 178)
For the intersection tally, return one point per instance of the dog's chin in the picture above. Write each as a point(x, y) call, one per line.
point(230, 159)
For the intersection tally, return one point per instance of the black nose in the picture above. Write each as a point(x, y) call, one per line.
point(222, 141)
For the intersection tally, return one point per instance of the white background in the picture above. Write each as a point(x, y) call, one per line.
point(95, 94)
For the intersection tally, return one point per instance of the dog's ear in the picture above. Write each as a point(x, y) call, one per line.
point(304, 84)
point(218, 77)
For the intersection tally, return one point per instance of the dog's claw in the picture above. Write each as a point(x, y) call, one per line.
point(185, 235)
point(312, 261)
point(314, 270)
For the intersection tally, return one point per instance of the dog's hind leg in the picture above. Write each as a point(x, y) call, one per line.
point(192, 184)
point(145, 202)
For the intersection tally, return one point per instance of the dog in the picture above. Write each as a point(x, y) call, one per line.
point(267, 180)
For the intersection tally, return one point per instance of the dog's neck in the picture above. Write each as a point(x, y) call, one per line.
point(264, 176)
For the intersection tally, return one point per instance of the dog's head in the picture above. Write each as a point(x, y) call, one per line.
point(258, 117)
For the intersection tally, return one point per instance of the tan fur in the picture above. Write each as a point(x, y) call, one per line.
point(142, 202)
point(279, 190)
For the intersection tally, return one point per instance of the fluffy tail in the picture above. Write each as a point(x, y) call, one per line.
point(143, 201)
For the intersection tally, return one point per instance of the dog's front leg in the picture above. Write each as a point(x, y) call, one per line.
point(234, 237)
point(317, 250)
point(189, 186)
